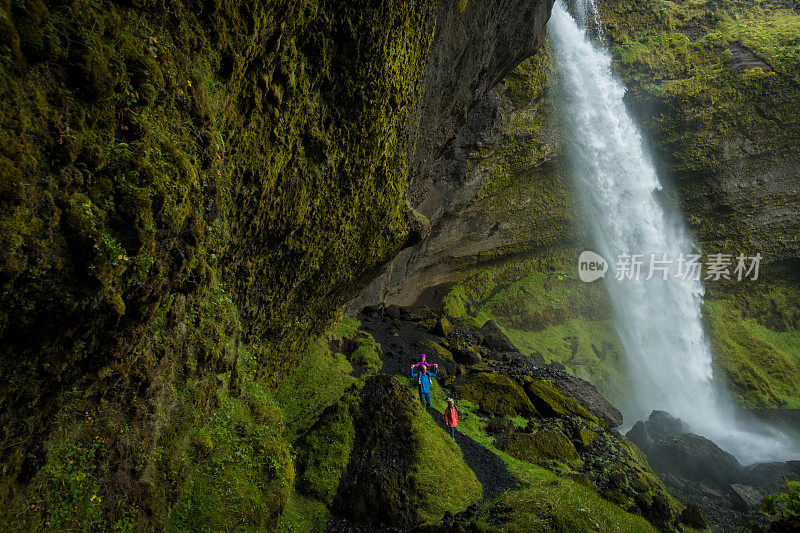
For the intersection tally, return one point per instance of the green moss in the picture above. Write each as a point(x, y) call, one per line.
point(495, 393)
point(548, 313)
point(325, 451)
point(708, 110)
point(589, 349)
point(543, 446)
point(366, 354)
point(587, 437)
point(243, 477)
point(761, 363)
point(319, 381)
point(545, 502)
point(551, 398)
point(246, 162)
point(439, 350)
point(302, 515)
point(442, 480)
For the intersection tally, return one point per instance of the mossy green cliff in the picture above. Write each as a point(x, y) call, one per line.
point(190, 191)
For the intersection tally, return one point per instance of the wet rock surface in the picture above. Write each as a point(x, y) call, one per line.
point(699, 472)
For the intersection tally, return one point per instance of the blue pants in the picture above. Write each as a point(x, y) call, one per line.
point(425, 398)
point(453, 432)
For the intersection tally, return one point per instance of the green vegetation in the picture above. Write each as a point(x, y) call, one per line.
point(786, 505)
point(557, 402)
point(317, 401)
point(187, 196)
point(244, 472)
point(547, 312)
point(756, 340)
point(325, 451)
point(496, 393)
point(542, 446)
point(302, 515)
point(319, 381)
point(550, 503)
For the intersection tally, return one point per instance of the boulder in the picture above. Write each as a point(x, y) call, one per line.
point(443, 327)
point(515, 358)
point(375, 489)
point(659, 425)
point(439, 351)
point(769, 476)
point(542, 446)
point(551, 401)
point(466, 355)
point(694, 516)
point(695, 458)
point(500, 426)
point(537, 359)
point(583, 393)
point(745, 497)
point(392, 311)
point(495, 339)
point(495, 393)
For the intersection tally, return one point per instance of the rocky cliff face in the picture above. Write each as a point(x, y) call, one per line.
point(189, 192)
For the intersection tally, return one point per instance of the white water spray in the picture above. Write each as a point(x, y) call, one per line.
point(658, 321)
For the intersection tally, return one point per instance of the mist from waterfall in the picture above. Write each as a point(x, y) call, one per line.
point(658, 321)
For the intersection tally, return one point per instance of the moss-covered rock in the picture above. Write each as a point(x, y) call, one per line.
point(375, 488)
point(495, 393)
point(543, 446)
point(755, 334)
point(325, 451)
point(549, 400)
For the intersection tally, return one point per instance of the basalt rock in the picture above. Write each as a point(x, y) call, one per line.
point(692, 457)
point(494, 393)
point(583, 393)
point(495, 339)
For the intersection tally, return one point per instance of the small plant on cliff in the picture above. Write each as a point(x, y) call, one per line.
point(786, 505)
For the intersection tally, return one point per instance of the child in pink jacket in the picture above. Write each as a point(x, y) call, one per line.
point(451, 417)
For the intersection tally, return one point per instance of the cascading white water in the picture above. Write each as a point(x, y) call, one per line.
point(658, 321)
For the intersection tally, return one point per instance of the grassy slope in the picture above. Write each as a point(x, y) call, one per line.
point(547, 311)
point(760, 357)
point(443, 480)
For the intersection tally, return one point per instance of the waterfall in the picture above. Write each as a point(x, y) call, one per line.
point(658, 321)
